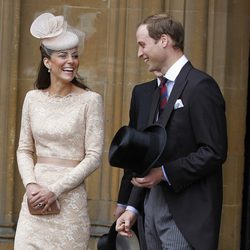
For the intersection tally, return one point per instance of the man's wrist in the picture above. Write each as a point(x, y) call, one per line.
point(121, 205)
point(132, 209)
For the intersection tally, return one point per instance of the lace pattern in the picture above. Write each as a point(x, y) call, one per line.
point(71, 128)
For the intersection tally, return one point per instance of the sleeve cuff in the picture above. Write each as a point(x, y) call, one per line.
point(165, 175)
point(132, 209)
point(28, 181)
point(53, 190)
point(121, 205)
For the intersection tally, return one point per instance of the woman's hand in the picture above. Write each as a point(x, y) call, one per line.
point(40, 196)
point(32, 189)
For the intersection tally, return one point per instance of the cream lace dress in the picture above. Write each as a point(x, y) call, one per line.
point(69, 128)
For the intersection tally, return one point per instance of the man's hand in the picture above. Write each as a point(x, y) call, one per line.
point(125, 222)
point(154, 177)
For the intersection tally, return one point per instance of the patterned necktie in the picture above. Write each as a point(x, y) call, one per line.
point(163, 94)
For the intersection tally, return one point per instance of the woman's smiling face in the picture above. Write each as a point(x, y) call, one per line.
point(63, 65)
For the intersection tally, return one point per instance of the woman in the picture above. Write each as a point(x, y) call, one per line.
point(62, 121)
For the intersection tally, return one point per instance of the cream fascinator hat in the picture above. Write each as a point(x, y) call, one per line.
point(55, 33)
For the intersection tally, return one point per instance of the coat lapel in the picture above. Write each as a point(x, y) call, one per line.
point(179, 86)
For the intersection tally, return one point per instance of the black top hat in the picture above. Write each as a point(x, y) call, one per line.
point(137, 150)
point(114, 241)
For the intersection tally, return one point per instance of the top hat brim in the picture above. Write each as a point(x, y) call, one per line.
point(113, 241)
point(108, 241)
point(161, 134)
point(125, 153)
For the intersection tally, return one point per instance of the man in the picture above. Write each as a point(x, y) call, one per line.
point(182, 199)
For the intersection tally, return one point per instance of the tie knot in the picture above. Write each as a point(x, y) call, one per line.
point(163, 81)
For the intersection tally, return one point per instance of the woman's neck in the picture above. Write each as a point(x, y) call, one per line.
point(60, 89)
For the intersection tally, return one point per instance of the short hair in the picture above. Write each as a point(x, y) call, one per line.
point(160, 24)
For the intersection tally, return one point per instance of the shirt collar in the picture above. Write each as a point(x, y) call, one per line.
point(175, 69)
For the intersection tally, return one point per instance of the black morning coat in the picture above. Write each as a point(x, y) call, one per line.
point(196, 149)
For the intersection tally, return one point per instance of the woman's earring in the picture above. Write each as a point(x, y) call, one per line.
point(49, 70)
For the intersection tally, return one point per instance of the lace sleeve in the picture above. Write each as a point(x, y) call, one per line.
point(25, 151)
point(94, 136)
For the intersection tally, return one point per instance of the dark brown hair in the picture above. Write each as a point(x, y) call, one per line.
point(43, 77)
point(160, 24)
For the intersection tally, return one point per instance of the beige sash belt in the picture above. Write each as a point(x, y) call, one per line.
point(57, 161)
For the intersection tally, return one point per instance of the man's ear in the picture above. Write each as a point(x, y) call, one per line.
point(166, 40)
point(46, 63)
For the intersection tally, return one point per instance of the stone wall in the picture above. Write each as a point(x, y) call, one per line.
point(217, 41)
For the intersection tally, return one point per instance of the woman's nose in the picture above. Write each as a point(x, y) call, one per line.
point(70, 59)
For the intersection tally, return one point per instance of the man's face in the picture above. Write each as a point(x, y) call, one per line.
point(151, 51)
